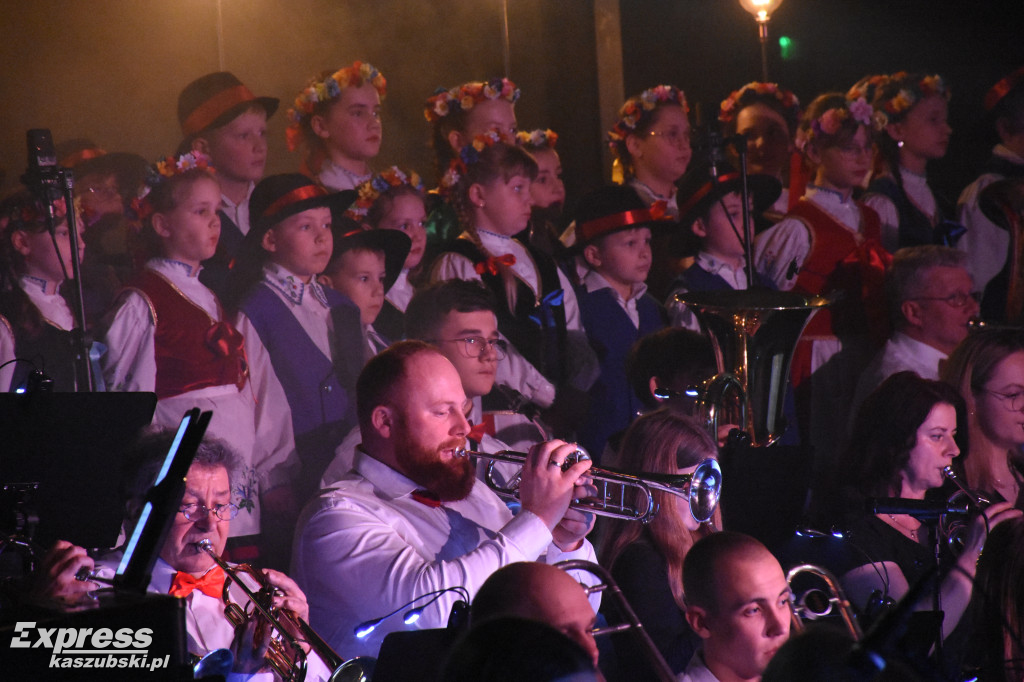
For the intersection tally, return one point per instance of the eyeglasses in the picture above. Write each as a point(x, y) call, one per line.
point(473, 346)
point(1013, 402)
point(198, 512)
point(957, 300)
point(673, 136)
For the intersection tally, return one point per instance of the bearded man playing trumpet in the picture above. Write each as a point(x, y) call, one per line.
point(411, 519)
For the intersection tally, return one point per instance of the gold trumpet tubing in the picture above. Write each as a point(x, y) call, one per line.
point(979, 500)
point(837, 598)
point(633, 624)
point(288, 656)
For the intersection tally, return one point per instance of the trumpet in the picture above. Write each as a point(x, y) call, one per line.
point(953, 527)
point(701, 489)
point(284, 653)
point(815, 603)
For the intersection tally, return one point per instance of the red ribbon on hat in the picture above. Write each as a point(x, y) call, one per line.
point(705, 189)
point(210, 584)
point(491, 264)
point(310, 191)
point(597, 227)
point(208, 112)
point(999, 90)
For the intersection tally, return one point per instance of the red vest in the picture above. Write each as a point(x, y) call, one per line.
point(193, 350)
point(841, 261)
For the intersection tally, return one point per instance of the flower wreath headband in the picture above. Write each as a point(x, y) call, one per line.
point(371, 190)
point(537, 138)
point(637, 109)
point(831, 120)
point(159, 172)
point(748, 94)
point(328, 90)
point(895, 107)
point(465, 97)
point(468, 156)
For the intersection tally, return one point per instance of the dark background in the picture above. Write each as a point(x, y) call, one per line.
point(111, 70)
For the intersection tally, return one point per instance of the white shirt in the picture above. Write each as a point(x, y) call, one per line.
point(336, 178)
point(985, 243)
point(899, 353)
point(594, 281)
point(401, 291)
point(239, 213)
point(366, 547)
point(697, 670)
point(255, 421)
point(789, 241)
point(6, 353)
point(650, 198)
point(920, 194)
point(51, 306)
point(735, 277)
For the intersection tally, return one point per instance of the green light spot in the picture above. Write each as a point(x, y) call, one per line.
point(785, 47)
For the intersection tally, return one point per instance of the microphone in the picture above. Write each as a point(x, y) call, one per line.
point(919, 509)
point(455, 620)
point(42, 176)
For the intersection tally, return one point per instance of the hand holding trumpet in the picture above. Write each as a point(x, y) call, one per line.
point(547, 488)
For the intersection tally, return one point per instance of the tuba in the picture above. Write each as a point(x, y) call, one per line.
point(754, 333)
point(286, 631)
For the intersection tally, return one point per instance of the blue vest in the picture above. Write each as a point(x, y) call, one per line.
point(696, 278)
point(611, 334)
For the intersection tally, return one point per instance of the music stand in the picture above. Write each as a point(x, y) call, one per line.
point(72, 445)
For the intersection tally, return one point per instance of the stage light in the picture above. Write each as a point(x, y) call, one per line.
point(762, 11)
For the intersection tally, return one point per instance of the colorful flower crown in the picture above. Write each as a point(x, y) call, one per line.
point(465, 97)
point(328, 90)
point(637, 109)
point(23, 211)
point(380, 183)
point(160, 171)
point(832, 119)
point(537, 138)
point(738, 99)
point(468, 156)
point(867, 87)
point(910, 93)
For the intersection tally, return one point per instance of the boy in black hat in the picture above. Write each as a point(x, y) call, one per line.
point(712, 210)
point(614, 225)
point(363, 266)
point(312, 335)
point(224, 120)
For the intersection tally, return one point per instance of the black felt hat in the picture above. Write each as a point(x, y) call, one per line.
point(213, 100)
point(698, 190)
point(395, 245)
point(614, 208)
point(277, 197)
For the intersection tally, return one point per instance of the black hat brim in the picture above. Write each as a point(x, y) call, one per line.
point(764, 190)
point(395, 245)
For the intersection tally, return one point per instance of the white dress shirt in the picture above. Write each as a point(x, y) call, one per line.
point(594, 281)
point(899, 354)
point(336, 178)
point(254, 422)
point(985, 243)
point(366, 547)
point(401, 291)
point(735, 277)
point(789, 240)
point(697, 670)
point(916, 187)
point(239, 213)
point(6, 354)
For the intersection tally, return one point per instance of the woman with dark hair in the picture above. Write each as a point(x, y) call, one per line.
point(988, 369)
point(906, 432)
point(646, 561)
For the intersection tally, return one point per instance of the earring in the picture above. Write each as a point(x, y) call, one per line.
point(899, 143)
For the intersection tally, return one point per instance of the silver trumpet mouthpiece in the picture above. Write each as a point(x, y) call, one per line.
point(205, 545)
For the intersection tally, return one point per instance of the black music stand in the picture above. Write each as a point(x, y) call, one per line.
point(71, 444)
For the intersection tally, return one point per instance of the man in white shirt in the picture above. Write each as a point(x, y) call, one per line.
point(412, 520)
point(931, 299)
point(738, 602)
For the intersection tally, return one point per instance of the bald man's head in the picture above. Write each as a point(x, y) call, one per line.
point(538, 592)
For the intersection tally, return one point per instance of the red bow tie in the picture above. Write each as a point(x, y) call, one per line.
point(211, 583)
point(484, 428)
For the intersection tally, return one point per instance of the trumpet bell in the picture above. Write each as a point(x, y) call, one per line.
point(705, 490)
point(754, 333)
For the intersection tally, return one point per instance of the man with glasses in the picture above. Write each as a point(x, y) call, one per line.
point(931, 300)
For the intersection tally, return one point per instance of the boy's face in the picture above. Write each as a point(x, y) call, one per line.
point(715, 230)
point(239, 150)
point(407, 215)
point(189, 232)
point(623, 258)
point(360, 274)
point(477, 373)
point(547, 189)
point(301, 243)
point(752, 618)
point(351, 128)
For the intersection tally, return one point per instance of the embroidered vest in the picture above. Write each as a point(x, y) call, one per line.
point(915, 227)
point(192, 349)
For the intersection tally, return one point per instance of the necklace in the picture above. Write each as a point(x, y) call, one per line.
point(911, 531)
